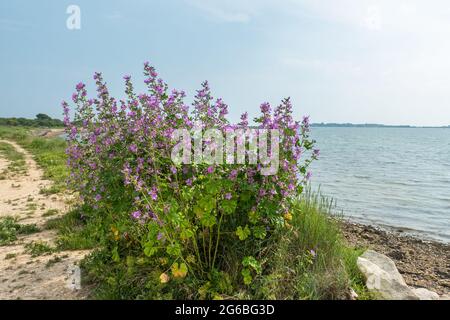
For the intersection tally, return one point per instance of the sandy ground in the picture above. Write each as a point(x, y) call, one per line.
point(21, 275)
point(423, 264)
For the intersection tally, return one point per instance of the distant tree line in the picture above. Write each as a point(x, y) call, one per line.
point(42, 120)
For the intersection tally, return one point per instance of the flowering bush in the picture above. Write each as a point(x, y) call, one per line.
point(187, 218)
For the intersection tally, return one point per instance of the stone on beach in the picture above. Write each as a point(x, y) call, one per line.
point(382, 277)
point(425, 294)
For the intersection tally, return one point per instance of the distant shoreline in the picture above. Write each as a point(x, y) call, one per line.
point(372, 125)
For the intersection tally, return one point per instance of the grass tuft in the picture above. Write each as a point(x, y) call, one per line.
point(38, 248)
point(10, 229)
point(16, 159)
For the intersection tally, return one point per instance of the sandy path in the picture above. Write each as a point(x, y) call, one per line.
point(21, 275)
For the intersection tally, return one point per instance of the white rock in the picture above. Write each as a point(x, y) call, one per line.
point(353, 295)
point(383, 278)
point(445, 297)
point(425, 294)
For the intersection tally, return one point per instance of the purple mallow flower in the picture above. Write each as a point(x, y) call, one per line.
point(80, 86)
point(316, 152)
point(133, 148)
point(154, 193)
point(136, 214)
point(308, 176)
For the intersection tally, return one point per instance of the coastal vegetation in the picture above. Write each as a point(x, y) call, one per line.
point(307, 258)
point(160, 230)
point(307, 255)
point(201, 231)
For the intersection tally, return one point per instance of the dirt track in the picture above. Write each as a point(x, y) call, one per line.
point(22, 276)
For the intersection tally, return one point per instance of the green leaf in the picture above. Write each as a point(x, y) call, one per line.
point(259, 232)
point(229, 206)
point(208, 220)
point(149, 249)
point(115, 254)
point(253, 217)
point(243, 233)
point(186, 233)
point(208, 203)
point(198, 211)
point(174, 249)
point(130, 261)
point(252, 263)
point(245, 196)
point(213, 187)
point(153, 230)
point(247, 276)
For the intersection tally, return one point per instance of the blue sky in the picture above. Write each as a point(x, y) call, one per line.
point(341, 61)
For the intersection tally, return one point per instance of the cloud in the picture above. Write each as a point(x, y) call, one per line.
point(333, 67)
point(228, 11)
point(373, 20)
point(371, 15)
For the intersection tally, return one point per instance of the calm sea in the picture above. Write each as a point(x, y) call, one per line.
point(391, 177)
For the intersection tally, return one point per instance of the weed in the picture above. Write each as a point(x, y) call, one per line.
point(53, 261)
point(10, 256)
point(50, 212)
point(38, 248)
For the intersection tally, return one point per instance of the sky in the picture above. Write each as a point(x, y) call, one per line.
point(360, 61)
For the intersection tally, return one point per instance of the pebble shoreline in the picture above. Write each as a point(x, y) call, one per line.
point(422, 263)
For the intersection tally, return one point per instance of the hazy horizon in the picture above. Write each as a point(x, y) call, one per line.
point(348, 61)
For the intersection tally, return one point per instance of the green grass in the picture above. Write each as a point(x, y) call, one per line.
point(73, 232)
point(50, 156)
point(49, 153)
point(28, 229)
point(50, 213)
point(312, 260)
point(10, 229)
point(17, 159)
point(10, 256)
point(31, 206)
point(38, 248)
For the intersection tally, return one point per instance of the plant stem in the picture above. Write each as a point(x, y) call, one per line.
point(217, 240)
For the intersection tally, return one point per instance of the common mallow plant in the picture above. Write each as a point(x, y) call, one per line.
point(181, 183)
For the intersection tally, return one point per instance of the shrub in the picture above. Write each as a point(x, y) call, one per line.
point(185, 220)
